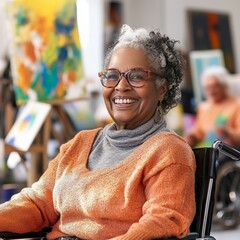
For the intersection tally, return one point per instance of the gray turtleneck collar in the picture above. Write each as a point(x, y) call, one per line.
point(112, 146)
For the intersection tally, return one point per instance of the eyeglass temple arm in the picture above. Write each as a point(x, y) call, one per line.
point(226, 150)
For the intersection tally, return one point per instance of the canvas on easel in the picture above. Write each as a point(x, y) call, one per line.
point(46, 53)
point(27, 125)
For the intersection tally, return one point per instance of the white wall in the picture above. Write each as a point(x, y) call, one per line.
point(3, 30)
point(91, 24)
point(145, 13)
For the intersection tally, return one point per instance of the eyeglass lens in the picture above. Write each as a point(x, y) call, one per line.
point(135, 77)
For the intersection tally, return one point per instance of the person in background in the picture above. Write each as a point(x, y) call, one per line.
point(133, 178)
point(219, 116)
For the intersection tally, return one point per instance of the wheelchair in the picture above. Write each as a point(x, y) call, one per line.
point(205, 185)
point(226, 211)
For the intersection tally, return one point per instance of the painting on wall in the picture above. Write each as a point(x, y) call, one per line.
point(212, 30)
point(199, 61)
point(46, 53)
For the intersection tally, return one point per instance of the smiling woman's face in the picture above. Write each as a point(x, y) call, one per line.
point(215, 91)
point(128, 106)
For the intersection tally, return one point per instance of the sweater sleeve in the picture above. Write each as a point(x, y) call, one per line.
point(170, 205)
point(32, 209)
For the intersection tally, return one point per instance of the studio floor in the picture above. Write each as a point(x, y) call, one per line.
point(221, 234)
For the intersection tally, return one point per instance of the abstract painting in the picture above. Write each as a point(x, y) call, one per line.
point(46, 54)
point(212, 30)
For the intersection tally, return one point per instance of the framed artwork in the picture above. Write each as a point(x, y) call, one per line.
point(46, 55)
point(199, 61)
point(212, 30)
point(27, 125)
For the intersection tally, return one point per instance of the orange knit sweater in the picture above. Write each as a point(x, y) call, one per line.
point(149, 194)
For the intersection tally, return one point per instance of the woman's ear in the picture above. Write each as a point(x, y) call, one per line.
point(162, 91)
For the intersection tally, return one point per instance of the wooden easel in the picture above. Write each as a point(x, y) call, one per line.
point(39, 158)
point(58, 111)
point(67, 127)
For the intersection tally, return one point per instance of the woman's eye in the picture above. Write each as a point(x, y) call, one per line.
point(112, 77)
point(136, 76)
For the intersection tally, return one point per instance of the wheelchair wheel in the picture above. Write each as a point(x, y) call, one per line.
point(227, 198)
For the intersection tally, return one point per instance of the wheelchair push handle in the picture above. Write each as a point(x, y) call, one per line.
point(226, 150)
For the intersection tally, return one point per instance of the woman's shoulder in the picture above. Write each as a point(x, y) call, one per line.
point(172, 138)
point(87, 132)
point(171, 144)
point(167, 149)
point(82, 137)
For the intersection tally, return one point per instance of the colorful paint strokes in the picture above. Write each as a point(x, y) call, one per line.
point(47, 59)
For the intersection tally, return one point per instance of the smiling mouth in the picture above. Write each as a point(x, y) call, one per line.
point(124, 101)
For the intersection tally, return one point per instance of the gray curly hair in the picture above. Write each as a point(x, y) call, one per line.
point(162, 56)
point(219, 72)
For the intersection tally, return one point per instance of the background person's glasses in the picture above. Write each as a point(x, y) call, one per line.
point(136, 77)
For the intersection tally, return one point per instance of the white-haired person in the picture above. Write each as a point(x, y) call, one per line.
point(132, 179)
point(218, 117)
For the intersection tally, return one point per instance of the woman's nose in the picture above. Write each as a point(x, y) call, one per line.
point(123, 84)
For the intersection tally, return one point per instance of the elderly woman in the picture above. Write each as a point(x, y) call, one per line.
point(133, 179)
point(219, 116)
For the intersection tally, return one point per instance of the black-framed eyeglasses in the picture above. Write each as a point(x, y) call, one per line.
point(136, 77)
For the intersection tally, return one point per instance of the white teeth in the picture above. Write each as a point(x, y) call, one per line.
point(123, 101)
